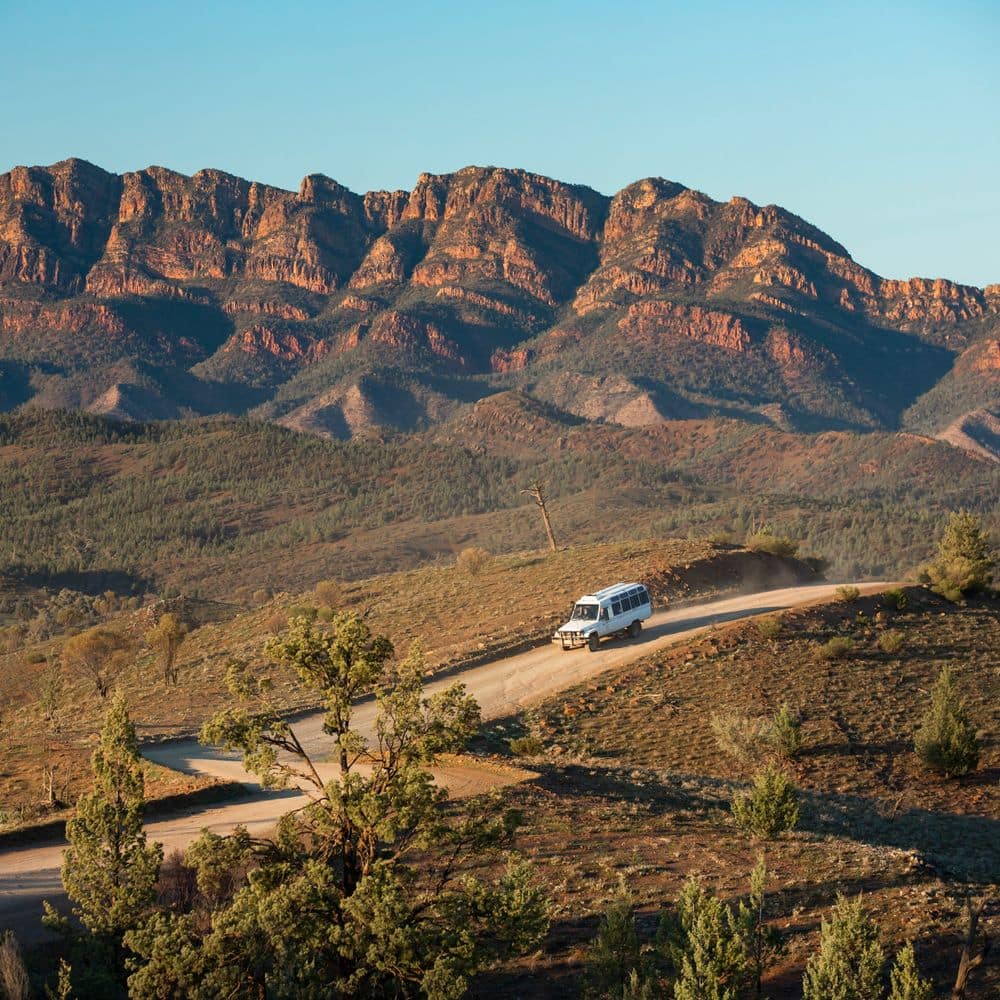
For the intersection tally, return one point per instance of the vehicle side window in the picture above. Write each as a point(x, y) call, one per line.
point(633, 601)
point(616, 608)
point(604, 614)
point(644, 596)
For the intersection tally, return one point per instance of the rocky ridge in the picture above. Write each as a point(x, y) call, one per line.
point(220, 294)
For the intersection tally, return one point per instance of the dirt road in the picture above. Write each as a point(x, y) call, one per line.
point(503, 687)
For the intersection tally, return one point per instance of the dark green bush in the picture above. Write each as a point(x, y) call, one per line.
point(786, 732)
point(769, 808)
point(946, 741)
point(897, 598)
point(526, 746)
point(964, 562)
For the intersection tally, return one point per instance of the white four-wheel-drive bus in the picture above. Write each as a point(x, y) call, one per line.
point(620, 609)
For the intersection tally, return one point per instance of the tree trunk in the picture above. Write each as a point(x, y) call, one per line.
point(537, 492)
point(969, 959)
point(548, 527)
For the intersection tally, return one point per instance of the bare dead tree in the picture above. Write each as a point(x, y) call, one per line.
point(974, 947)
point(537, 492)
point(52, 793)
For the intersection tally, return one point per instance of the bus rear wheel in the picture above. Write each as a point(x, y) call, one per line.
point(634, 629)
point(593, 641)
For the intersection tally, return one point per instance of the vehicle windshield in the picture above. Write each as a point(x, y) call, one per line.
point(585, 612)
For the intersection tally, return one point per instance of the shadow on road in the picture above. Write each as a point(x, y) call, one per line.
point(665, 629)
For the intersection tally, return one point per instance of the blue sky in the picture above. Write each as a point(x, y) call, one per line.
point(880, 123)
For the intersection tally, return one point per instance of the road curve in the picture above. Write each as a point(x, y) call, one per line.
point(502, 687)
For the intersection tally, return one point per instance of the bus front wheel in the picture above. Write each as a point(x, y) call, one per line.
point(593, 641)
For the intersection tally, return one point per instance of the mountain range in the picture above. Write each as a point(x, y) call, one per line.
point(153, 295)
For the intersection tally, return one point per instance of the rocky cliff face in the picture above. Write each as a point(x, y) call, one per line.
point(55, 222)
point(486, 272)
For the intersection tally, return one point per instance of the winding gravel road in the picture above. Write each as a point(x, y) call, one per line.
point(502, 687)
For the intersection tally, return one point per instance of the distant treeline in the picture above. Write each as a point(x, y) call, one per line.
point(186, 504)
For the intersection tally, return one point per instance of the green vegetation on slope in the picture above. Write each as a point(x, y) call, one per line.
point(209, 506)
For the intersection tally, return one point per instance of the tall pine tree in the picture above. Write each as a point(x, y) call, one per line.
point(109, 871)
point(848, 965)
point(964, 562)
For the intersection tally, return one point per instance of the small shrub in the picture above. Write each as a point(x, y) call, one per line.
point(775, 545)
point(276, 622)
point(13, 637)
point(897, 598)
point(112, 602)
point(261, 596)
point(836, 648)
point(848, 594)
point(769, 628)
point(67, 617)
point(905, 981)
point(34, 657)
point(742, 737)
point(952, 580)
point(721, 538)
point(307, 611)
point(891, 641)
point(770, 807)
point(946, 741)
point(786, 732)
point(526, 746)
point(328, 593)
point(472, 561)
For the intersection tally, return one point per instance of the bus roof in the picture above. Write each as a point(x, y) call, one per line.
point(607, 593)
